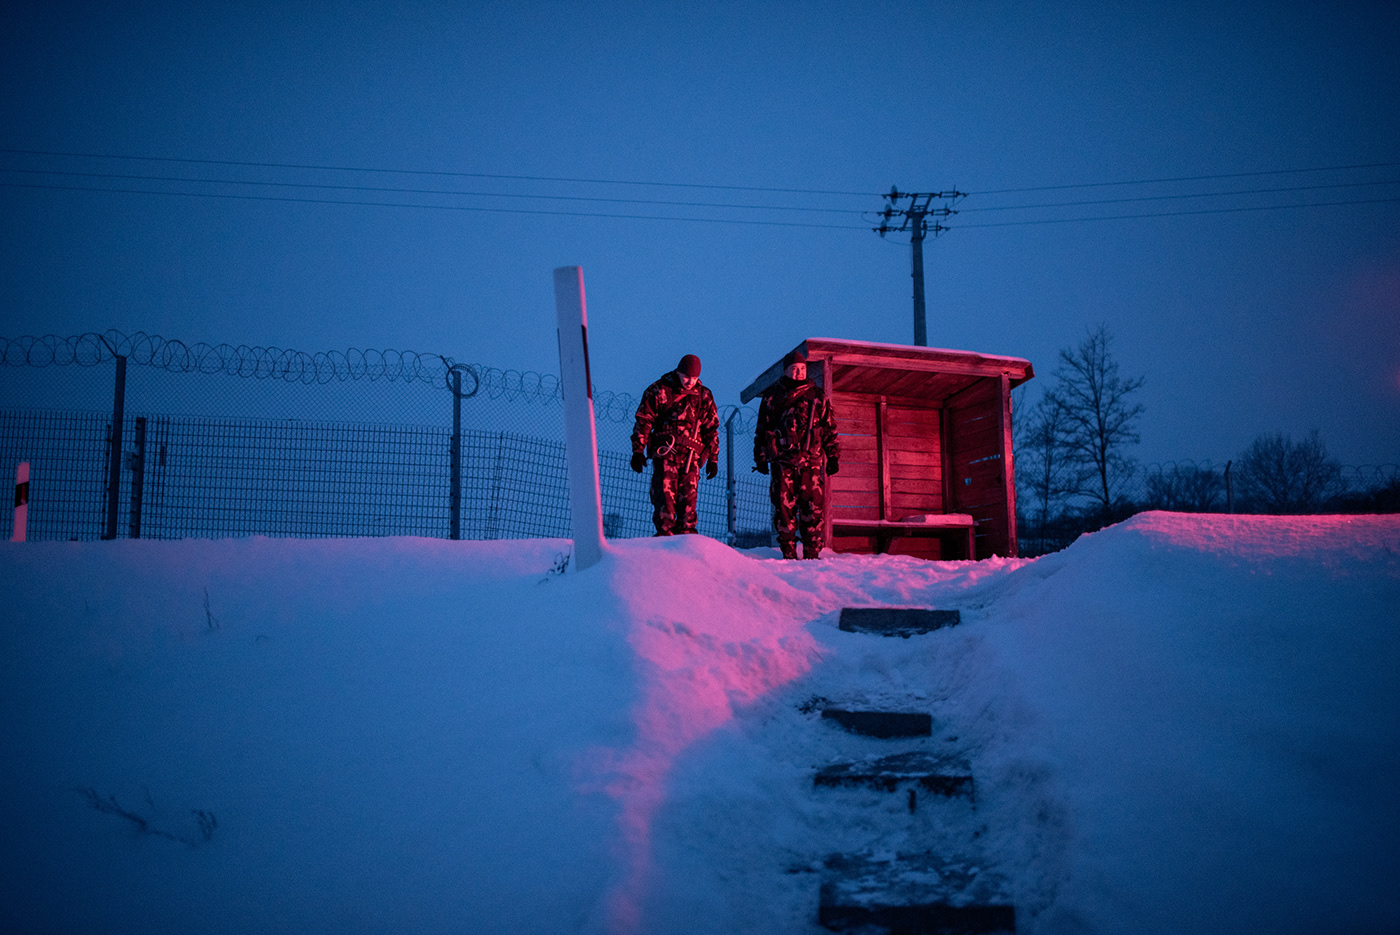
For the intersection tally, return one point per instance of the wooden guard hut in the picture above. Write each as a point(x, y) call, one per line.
point(926, 461)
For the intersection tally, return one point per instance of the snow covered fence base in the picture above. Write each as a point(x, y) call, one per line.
point(1178, 724)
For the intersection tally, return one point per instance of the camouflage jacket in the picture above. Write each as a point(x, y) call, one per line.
point(795, 425)
point(675, 424)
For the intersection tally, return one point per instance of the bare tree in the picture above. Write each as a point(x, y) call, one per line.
point(1045, 467)
point(1100, 419)
point(1186, 488)
point(1278, 475)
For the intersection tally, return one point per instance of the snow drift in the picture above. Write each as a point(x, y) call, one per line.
point(1181, 723)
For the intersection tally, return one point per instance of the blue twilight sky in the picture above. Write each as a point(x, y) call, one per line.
point(1242, 322)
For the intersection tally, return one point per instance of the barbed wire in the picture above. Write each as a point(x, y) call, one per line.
point(512, 385)
point(274, 363)
point(268, 363)
point(529, 386)
point(1357, 475)
point(1373, 474)
point(1165, 467)
point(745, 418)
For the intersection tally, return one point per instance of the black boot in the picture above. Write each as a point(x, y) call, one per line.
point(789, 548)
point(811, 549)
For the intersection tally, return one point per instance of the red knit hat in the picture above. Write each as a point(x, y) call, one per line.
point(794, 357)
point(689, 366)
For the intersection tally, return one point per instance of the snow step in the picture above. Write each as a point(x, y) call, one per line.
point(913, 893)
point(939, 775)
point(884, 724)
point(920, 919)
point(896, 621)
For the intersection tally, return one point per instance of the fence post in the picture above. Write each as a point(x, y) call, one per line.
point(151, 512)
point(114, 460)
point(21, 502)
point(1229, 490)
point(455, 459)
point(731, 486)
point(493, 527)
point(138, 477)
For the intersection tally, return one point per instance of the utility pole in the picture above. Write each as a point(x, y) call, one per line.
point(914, 218)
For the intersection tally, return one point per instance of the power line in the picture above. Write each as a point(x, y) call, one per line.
point(1188, 178)
point(689, 204)
point(465, 175)
point(692, 204)
point(1247, 191)
point(1169, 214)
point(388, 204)
point(728, 205)
point(423, 191)
point(694, 185)
point(666, 203)
point(654, 217)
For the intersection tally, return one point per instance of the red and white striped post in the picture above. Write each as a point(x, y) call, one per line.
point(21, 501)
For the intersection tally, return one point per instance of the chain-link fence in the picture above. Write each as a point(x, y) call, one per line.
point(217, 440)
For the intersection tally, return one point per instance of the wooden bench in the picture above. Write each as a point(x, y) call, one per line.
point(956, 529)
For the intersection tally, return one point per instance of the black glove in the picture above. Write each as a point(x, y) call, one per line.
point(832, 466)
point(761, 467)
point(639, 462)
point(712, 470)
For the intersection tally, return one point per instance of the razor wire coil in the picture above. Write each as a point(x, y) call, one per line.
point(275, 363)
point(266, 363)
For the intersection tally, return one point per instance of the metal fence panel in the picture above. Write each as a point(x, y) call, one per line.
point(67, 454)
point(241, 477)
point(221, 440)
point(190, 476)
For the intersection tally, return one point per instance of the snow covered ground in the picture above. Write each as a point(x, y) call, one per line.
point(1179, 724)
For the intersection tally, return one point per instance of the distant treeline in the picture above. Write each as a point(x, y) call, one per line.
point(1075, 472)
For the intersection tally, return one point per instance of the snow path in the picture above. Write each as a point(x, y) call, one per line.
point(1182, 723)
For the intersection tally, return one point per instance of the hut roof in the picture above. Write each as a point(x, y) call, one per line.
point(898, 369)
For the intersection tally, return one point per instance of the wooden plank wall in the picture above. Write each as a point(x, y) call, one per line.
point(891, 467)
point(977, 484)
point(914, 452)
point(915, 460)
point(854, 492)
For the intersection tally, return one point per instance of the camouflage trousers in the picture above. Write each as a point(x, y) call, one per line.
point(673, 493)
point(798, 493)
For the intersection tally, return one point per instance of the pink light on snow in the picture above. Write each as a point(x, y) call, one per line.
point(1328, 540)
point(698, 662)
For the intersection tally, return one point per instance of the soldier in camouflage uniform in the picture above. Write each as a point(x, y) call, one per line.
point(678, 428)
point(796, 441)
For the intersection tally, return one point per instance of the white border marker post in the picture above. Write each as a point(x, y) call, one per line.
point(21, 501)
point(580, 429)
